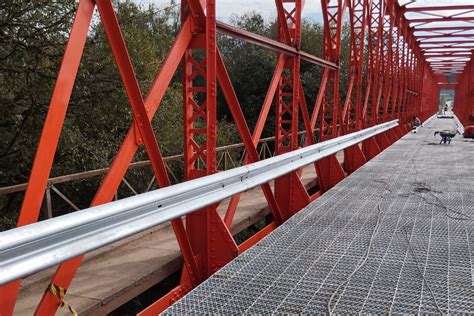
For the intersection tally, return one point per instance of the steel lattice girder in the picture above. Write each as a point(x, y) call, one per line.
point(394, 88)
point(464, 99)
point(439, 36)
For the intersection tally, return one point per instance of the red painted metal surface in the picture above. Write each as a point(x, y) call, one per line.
point(399, 76)
point(464, 99)
point(289, 191)
point(352, 111)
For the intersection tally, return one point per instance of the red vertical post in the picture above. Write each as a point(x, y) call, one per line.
point(358, 17)
point(210, 238)
point(388, 55)
point(412, 94)
point(375, 19)
point(464, 102)
point(386, 76)
point(289, 191)
point(352, 111)
point(49, 139)
point(66, 270)
point(399, 90)
point(329, 169)
point(391, 106)
point(419, 79)
point(406, 92)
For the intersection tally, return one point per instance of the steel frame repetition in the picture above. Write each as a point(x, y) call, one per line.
point(32, 248)
point(434, 39)
point(398, 84)
point(393, 238)
point(464, 99)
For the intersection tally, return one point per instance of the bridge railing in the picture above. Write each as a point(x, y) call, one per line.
point(28, 249)
point(385, 92)
point(228, 157)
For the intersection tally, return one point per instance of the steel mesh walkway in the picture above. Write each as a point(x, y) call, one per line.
point(396, 236)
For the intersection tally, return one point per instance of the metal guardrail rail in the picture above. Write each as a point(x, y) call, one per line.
point(225, 161)
point(29, 249)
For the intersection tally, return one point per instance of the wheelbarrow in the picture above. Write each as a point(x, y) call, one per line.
point(446, 136)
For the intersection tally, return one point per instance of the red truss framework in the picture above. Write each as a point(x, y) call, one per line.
point(445, 34)
point(392, 80)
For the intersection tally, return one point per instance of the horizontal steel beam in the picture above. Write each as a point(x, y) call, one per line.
point(447, 65)
point(443, 28)
point(465, 36)
point(452, 48)
point(441, 19)
point(226, 29)
point(470, 40)
point(448, 83)
point(439, 8)
point(28, 249)
point(438, 63)
point(447, 68)
point(450, 53)
point(450, 56)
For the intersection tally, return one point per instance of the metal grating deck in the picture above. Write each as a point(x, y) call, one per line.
point(415, 193)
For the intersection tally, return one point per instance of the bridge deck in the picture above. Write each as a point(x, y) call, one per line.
point(101, 285)
point(395, 236)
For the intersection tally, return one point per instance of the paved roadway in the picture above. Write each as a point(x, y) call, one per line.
point(397, 236)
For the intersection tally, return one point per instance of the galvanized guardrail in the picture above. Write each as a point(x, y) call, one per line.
point(226, 159)
point(29, 249)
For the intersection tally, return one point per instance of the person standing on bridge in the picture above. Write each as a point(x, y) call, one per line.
point(415, 122)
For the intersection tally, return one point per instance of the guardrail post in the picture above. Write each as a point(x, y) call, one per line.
point(47, 208)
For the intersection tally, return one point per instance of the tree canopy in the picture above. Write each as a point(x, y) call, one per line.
point(32, 41)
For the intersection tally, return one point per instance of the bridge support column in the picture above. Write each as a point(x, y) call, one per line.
point(329, 170)
point(352, 112)
point(210, 238)
point(290, 193)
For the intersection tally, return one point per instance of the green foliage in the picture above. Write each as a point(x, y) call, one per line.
point(32, 41)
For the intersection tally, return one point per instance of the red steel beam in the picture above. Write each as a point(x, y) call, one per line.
point(444, 36)
point(443, 28)
point(289, 190)
point(50, 134)
point(401, 83)
point(442, 19)
point(439, 8)
point(352, 110)
point(263, 41)
point(449, 56)
point(375, 24)
point(448, 63)
point(448, 41)
point(447, 66)
point(445, 48)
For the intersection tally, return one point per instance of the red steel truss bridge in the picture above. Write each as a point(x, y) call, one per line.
point(365, 214)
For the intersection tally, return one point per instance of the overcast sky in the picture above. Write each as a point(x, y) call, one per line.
point(312, 8)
